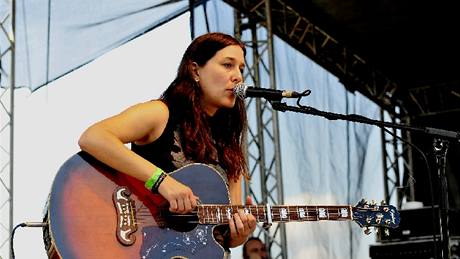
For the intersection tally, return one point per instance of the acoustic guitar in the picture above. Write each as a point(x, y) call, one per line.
point(97, 212)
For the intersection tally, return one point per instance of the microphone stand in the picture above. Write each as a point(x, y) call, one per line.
point(440, 146)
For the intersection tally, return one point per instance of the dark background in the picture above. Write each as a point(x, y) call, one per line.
point(408, 64)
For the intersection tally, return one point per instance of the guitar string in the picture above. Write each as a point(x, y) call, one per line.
point(258, 211)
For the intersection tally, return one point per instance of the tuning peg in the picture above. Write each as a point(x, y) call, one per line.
point(373, 203)
point(386, 231)
point(383, 202)
point(367, 231)
point(364, 203)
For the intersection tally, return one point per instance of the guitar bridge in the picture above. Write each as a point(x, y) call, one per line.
point(126, 216)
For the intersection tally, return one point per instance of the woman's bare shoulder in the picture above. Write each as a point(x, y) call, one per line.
point(154, 109)
point(152, 117)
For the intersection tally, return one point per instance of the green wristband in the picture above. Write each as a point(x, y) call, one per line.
point(153, 179)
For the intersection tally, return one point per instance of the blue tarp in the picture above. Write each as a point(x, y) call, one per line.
point(55, 37)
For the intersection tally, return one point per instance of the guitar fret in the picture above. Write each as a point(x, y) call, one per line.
point(300, 213)
point(229, 213)
point(214, 214)
point(259, 216)
point(219, 215)
point(275, 213)
point(264, 213)
point(210, 214)
point(288, 213)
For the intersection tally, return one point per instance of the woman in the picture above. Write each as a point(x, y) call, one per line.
point(197, 119)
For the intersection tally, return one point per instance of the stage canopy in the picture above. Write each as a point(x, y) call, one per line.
point(55, 37)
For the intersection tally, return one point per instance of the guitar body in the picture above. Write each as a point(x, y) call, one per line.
point(96, 212)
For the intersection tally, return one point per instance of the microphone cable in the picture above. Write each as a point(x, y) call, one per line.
point(411, 178)
point(24, 224)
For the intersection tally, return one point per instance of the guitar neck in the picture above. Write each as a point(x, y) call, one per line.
point(219, 214)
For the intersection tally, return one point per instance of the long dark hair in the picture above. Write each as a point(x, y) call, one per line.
point(204, 139)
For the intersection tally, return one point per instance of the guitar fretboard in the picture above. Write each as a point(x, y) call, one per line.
point(220, 214)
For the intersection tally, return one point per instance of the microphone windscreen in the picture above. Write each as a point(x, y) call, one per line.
point(240, 90)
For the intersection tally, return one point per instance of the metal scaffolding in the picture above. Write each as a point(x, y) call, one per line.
point(6, 127)
point(397, 161)
point(352, 70)
point(263, 146)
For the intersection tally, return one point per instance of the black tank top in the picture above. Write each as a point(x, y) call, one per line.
point(166, 152)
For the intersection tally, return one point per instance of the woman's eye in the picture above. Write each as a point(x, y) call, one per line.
point(227, 65)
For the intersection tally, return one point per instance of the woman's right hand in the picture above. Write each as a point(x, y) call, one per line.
point(180, 197)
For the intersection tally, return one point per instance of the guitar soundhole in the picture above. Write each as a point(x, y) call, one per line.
point(181, 222)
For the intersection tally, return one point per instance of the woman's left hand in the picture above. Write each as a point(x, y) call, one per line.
point(241, 226)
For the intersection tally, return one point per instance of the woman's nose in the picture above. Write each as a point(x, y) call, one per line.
point(238, 77)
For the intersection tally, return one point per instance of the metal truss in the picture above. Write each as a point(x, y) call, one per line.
point(353, 71)
point(434, 100)
point(6, 126)
point(263, 147)
point(398, 158)
point(397, 161)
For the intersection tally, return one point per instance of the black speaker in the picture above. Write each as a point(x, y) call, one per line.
point(414, 236)
point(414, 249)
point(421, 223)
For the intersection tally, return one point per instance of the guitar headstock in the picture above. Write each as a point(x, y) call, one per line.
point(374, 215)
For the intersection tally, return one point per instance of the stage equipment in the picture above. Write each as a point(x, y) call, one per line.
point(414, 249)
point(440, 146)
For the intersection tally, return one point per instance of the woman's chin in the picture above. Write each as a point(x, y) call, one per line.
point(230, 103)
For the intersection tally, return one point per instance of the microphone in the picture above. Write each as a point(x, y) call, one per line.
point(242, 91)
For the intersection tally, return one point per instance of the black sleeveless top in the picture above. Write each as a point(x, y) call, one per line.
point(166, 152)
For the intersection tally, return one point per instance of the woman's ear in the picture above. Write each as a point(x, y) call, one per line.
point(195, 71)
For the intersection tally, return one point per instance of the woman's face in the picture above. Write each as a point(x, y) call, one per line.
point(218, 77)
